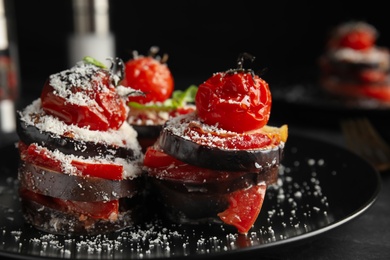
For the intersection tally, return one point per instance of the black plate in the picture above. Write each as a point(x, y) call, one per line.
point(321, 187)
point(308, 104)
point(311, 94)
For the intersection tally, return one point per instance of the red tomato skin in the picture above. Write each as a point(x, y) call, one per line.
point(32, 154)
point(108, 111)
point(100, 170)
point(149, 76)
point(42, 157)
point(164, 166)
point(244, 208)
point(236, 102)
point(81, 116)
point(244, 205)
point(358, 40)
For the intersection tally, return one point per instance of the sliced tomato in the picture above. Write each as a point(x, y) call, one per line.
point(244, 208)
point(44, 158)
point(236, 102)
point(33, 154)
point(97, 210)
point(101, 170)
point(164, 166)
point(156, 158)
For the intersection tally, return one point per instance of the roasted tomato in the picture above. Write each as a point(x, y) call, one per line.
point(84, 96)
point(235, 100)
point(43, 157)
point(149, 75)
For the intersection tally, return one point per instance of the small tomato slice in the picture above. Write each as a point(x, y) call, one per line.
point(236, 102)
point(150, 76)
point(41, 157)
point(101, 170)
point(96, 209)
point(244, 208)
point(44, 158)
point(164, 166)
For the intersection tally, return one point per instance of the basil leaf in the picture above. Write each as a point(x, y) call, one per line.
point(179, 99)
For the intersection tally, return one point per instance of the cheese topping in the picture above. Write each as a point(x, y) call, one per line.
point(125, 136)
point(190, 127)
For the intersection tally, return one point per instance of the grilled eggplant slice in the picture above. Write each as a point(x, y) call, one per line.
point(73, 187)
point(217, 158)
point(31, 134)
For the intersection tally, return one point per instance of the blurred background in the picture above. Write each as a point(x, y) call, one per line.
point(201, 37)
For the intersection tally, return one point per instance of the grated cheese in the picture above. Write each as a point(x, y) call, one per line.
point(125, 136)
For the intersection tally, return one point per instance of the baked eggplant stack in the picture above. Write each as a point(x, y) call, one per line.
point(80, 161)
point(214, 165)
point(160, 101)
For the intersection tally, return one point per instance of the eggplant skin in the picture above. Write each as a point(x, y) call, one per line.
point(185, 207)
point(77, 188)
point(147, 135)
point(235, 181)
point(31, 134)
point(186, 202)
point(216, 158)
point(148, 131)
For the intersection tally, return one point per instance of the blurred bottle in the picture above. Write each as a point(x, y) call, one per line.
point(9, 82)
point(92, 36)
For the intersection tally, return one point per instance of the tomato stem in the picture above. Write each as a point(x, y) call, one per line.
point(240, 64)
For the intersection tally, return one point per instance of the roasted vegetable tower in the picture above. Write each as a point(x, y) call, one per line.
point(214, 164)
point(151, 75)
point(353, 66)
point(80, 161)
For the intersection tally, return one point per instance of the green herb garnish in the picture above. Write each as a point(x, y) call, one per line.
point(179, 99)
point(93, 61)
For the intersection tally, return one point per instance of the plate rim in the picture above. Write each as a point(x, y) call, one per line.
point(266, 246)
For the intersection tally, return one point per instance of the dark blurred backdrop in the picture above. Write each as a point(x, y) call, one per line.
point(200, 37)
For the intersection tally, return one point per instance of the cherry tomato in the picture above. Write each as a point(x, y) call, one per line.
point(44, 158)
point(244, 208)
point(105, 109)
point(150, 76)
point(95, 209)
point(236, 102)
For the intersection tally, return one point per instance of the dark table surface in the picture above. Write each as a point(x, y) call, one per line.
point(365, 237)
